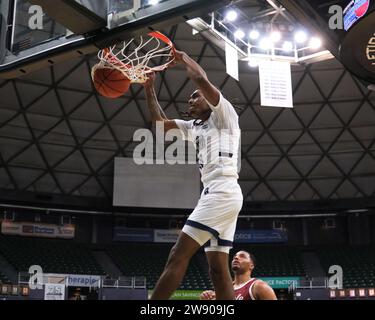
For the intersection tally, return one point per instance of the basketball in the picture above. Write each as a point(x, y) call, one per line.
point(110, 83)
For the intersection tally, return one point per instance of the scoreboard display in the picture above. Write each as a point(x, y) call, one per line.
point(348, 30)
point(355, 10)
point(357, 49)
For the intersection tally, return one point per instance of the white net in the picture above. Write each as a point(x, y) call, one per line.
point(135, 59)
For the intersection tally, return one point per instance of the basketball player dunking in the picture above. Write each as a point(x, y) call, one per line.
point(212, 223)
point(245, 287)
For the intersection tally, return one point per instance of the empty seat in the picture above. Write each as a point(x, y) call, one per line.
point(53, 255)
point(148, 260)
point(357, 262)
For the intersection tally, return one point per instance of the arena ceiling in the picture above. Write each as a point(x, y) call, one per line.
point(57, 135)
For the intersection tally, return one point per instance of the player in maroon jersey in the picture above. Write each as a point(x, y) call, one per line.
point(245, 287)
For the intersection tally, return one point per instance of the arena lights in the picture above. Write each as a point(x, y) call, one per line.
point(300, 37)
point(231, 15)
point(239, 34)
point(287, 46)
point(275, 36)
point(254, 34)
point(315, 43)
point(280, 41)
point(266, 44)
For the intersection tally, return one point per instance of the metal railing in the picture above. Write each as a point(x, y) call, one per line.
point(310, 283)
point(120, 282)
point(125, 282)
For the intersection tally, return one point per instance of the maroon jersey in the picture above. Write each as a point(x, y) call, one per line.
point(244, 292)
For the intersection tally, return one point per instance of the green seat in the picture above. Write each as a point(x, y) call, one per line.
point(358, 263)
point(53, 255)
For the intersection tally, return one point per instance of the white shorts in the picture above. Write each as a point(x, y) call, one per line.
point(213, 222)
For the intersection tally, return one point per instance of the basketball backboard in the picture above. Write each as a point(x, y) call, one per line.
point(39, 33)
point(28, 32)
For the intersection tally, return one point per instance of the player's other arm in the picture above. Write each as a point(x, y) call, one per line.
point(199, 77)
point(157, 113)
point(262, 291)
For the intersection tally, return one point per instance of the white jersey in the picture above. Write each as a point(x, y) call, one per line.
point(217, 141)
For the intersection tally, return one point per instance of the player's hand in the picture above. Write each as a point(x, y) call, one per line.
point(150, 80)
point(178, 57)
point(208, 295)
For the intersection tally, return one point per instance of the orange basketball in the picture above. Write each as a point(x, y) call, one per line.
point(110, 83)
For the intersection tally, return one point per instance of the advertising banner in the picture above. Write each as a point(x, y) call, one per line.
point(186, 295)
point(260, 236)
point(83, 281)
point(166, 235)
point(182, 294)
point(33, 229)
point(170, 235)
point(281, 282)
point(133, 234)
point(54, 291)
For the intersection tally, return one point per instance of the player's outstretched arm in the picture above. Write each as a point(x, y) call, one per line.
point(157, 113)
point(262, 291)
point(199, 77)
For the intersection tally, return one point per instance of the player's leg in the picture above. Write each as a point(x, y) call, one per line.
point(217, 252)
point(176, 266)
point(218, 262)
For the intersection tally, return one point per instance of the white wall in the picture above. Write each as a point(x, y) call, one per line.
point(156, 185)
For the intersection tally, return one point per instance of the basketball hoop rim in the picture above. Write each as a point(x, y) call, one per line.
point(136, 69)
